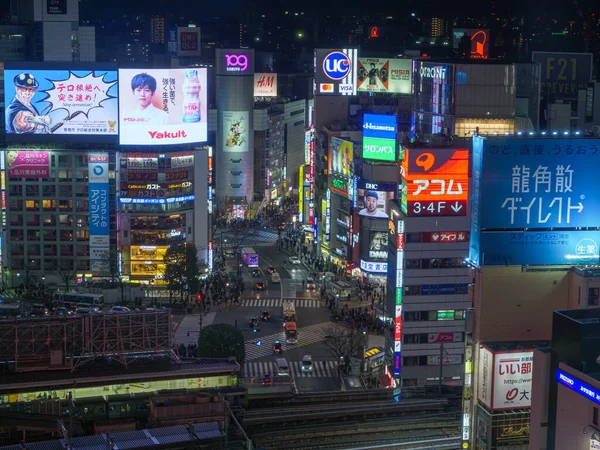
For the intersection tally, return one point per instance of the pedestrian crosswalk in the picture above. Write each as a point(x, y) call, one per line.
point(274, 302)
point(306, 336)
point(320, 370)
point(257, 238)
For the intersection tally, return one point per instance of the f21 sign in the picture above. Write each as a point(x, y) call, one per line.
point(437, 181)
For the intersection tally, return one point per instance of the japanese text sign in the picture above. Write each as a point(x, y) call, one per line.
point(31, 164)
point(513, 373)
point(539, 183)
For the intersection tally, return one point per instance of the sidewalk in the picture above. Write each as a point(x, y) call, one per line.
point(189, 328)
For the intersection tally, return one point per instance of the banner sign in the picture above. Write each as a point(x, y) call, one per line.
point(385, 75)
point(563, 74)
point(99, 210)
point(28, 164)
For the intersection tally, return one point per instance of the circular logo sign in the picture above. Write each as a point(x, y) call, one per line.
point(98, 170)
point(586, 250)
point(337, 65)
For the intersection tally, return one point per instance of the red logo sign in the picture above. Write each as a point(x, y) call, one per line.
point(398, 329)
point(512, 394)
point(374, 32)
point(437, 181)
point(188, 41)
point(479, 45)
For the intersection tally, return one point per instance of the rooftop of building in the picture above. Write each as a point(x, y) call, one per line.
point(145, 366)
point(150, 438)
point(502, 346)
point(582, 316)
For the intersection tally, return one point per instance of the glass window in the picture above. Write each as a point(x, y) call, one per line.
point(593, 296)
point(412, 263)
point(412, 290)
point(414, 238)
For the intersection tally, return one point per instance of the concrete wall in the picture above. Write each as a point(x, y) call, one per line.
point(512, 305)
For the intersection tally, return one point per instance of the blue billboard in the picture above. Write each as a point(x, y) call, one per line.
point(379, 137)
point(475, 199)
point(518, 248)
point(539, 183)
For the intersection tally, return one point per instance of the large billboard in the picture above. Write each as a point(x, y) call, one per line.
point(184, 41)
point(437, 181)
point(335, 71)
point(539, 183)
point(265, 85)
point(378, 245)
point(162, 106)
point(512, 380)
point(373, 199)
point(478, 41)
point(379, 137)
point(516, 248)
point(342, 156)
point(563, 74)
point(78, 103)
point(235, 131)
point(28, 164)
point(384, 75)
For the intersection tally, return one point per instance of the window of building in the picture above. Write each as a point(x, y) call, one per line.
point(409, 382)
point(412, 238)
point(48, 205)
point(32, 190)
point(49, 190)
point(15, 205)
point(16, 219)
point(412, 263)
point(412, 290)
point(65, 190)
point(593, 296)
point(33, 220)
point(49, 264)
point(49, 250)
point(410, 361)
point(33, 235)
point(49, 235)
point(31, 205)
point(65, 220)
point(15, 190)
point(595, 416)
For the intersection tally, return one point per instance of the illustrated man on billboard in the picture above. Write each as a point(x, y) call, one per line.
point(21, 116)
point(370, 209)
point(143, 87)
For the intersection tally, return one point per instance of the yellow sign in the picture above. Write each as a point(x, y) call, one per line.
point(372, 351)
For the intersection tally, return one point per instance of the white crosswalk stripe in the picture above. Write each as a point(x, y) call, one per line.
point(259, 238)
point(258, 369)
point(275, 302)
point(306, 336)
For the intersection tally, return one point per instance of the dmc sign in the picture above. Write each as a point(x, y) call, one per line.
point(433, 72)
point(337, 65)
point(236, 63)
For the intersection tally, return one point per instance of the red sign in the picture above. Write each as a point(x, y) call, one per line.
point(400, 241)
point(142, 176)
point(480, 45)
point(398, 328)
point(173, 176)
point(443, 337)
point(446, 236)
point(437, 181)
point(374, 32)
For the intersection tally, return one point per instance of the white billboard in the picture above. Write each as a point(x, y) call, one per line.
point(162, 106)
point(484, 376)
point(235, 131)
point(384, 75)
point(512, 380)
point(265, 85)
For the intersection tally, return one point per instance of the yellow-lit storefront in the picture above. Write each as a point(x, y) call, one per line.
point(148, 261)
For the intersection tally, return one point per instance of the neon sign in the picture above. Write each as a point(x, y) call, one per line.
point(374, 33)
point(236, 63)
point(433, 72)
point(479, 45)
point(337, 65)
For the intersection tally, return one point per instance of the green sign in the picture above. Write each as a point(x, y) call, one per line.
point(379, 149)
point(445, 315)
point(340, 186)
point(398, 295)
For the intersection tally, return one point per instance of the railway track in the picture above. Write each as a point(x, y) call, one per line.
point(443, 426)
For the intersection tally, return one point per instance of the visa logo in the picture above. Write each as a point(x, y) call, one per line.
point(346, 88)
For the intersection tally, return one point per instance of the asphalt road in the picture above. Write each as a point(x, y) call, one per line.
point(312, 319)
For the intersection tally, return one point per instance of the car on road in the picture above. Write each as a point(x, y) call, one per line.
point(283, 368)
point(307, 364)
point(294, 260)
point(229, 253)
point(275, 278)
point(257, 273)
point(265, 315)
point(271, 269)
point(310, 284)
point(266, 379)
point(254, 323)
point(119, 309)
point(261, 286)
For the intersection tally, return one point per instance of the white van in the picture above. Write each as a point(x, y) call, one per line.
point(307, 364)
point(283, 368)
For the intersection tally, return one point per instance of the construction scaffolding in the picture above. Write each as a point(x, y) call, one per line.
point(60, 343)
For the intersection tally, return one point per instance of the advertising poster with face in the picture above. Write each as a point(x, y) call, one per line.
point(372, 203)
point(60, 102)
point(378, 245)
point(162, 106)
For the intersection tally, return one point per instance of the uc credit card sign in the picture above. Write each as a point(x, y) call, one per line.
point(539, 183)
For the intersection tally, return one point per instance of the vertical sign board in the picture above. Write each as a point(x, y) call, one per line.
point(307, 146)
point(484, 381)
point(563, 74)
point(475, 199)
point(99, 210)
point(399, 293)
point(312, 174)
point(300, 193)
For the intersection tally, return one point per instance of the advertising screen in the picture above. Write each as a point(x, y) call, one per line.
point(335, 71)
point(79, 105)
point(563, 74)
point(379, 137)
point(342, 154)
point(516, 248)
point(475, 199)
point(373, 199)
point(512, 380)
point(265, 85)
point(378, 245)
point(438, 181)
point(539, 183)
point(162, 106)
point(235, 131)
point(28, 164)
point(385, 75)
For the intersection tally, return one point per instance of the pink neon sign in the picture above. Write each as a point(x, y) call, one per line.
point(236, 63)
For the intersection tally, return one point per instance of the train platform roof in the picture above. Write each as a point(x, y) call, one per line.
point(165, 437)
point(144, 367)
